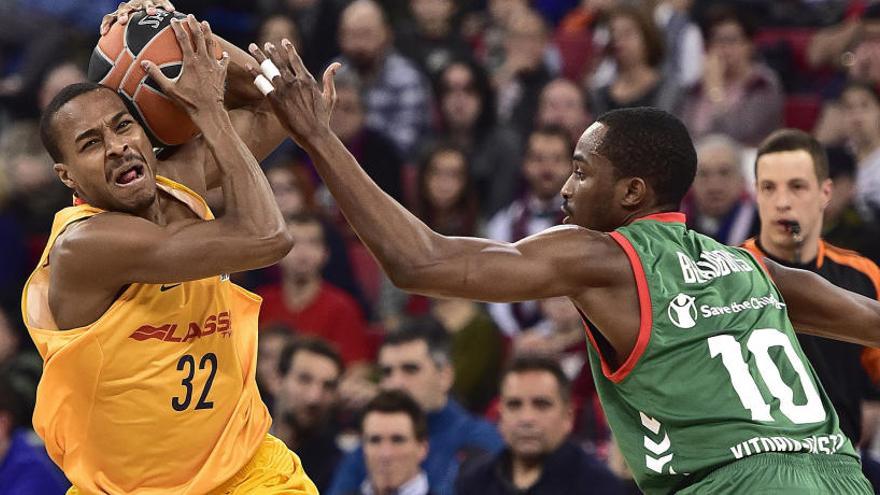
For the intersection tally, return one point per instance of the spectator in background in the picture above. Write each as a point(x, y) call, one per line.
point(431, 39)
point(546, 167)
point(35, 194)
point(416, 359)
point(397, 97)
point(519, 79)
point(376, 153)
point(738, 96)
point(683, 41)
point(294, 193)
point(535, 420)
point(719, 204)
point(477, 351)
point(25, 468)
point(861, 118)
point(445, 198)
point(842, 224)
point(395, 438)
point(466, 104)
point(277, 27)
point(562, 103)
point(637, 51)
point(271, 341)
point(847, 44)
point(304, 301)
point(304, 413)
point(315, 21)
point(56, 79)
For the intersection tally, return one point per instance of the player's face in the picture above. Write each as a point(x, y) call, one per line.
point(534, 417)
point(788, 190)
point(589, 196)
point(409, 367)
point(310, 387)
point(391, 450)
point(108, 159)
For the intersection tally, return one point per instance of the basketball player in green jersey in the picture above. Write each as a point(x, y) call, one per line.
point(692, 346)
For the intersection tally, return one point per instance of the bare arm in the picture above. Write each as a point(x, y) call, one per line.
point(818, 307)
point(559, 262)
point(250, 234)
point(250, 113)
point(828, 45)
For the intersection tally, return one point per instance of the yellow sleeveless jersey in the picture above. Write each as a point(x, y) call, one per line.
point(159, 394)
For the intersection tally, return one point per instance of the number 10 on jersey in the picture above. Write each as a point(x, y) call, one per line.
point(758, 344)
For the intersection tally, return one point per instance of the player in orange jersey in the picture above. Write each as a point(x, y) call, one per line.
point(150, 351)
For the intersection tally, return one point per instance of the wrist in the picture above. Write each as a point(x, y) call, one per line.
point(212, 122)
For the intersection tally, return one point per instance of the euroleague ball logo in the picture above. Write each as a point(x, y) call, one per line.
point(682, 311)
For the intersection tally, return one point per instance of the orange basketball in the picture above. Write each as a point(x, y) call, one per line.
point(116, 63)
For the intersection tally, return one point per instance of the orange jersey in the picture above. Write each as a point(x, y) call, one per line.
point(159, 394)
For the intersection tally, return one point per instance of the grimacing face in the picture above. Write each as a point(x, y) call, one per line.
point(591, 195)
point(107, 158)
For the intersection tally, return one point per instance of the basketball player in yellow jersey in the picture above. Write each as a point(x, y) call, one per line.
point(148, 383)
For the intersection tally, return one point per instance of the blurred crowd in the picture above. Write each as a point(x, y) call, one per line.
point(467, 112)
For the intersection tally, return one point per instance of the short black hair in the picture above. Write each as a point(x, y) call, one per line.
point(426, 329)
point(308, 344)
point(794, 140)
point(841, 162)
point(47, 129)
point(398, 401)
point(555, 131)
point(654, 145)
point(722, 14)
point(535, 362)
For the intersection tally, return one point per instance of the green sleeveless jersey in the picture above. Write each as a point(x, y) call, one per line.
point(716, 374)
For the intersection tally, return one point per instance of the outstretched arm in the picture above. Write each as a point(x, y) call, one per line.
point(818, 307)
point(415, 257)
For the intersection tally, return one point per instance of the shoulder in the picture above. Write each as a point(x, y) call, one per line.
point(400, 71)
point(478, 472)
point(94, 236)
point(855, 261)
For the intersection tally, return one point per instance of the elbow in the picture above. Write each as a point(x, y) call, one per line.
point(277, 245)
point(403, 277)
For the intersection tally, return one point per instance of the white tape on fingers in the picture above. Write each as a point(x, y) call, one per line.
point(263, 85)
point(269, 69)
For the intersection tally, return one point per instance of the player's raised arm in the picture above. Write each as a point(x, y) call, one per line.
point(249, 235)
point(818, 307)
point(249, 112)
point(561, 261)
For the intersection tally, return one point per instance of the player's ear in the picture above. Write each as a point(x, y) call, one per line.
point(635, 191)
point(64, 174)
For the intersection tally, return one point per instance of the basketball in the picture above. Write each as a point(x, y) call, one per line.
point(116, 63)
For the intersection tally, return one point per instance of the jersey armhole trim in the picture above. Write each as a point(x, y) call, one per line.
point(645, 315)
